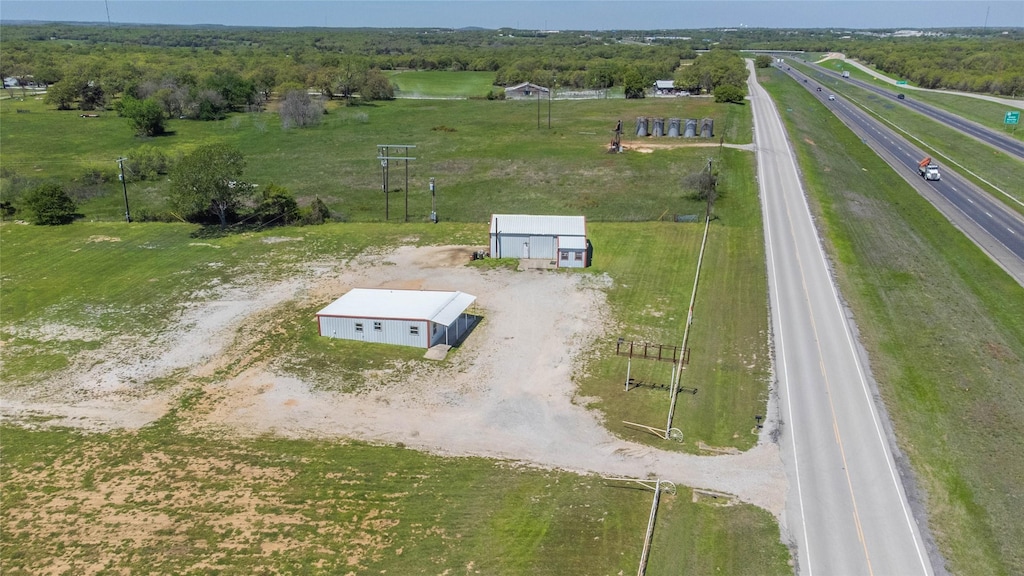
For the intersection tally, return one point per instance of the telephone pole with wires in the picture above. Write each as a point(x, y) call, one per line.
point(124, 185)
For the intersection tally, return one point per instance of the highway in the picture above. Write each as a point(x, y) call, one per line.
point(846, 508)
point(993, 226)
point(1001, 142)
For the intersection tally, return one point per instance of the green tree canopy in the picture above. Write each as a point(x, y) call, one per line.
point(207, 180)
point(633, 84)
point(146, 116)
point(50, 205)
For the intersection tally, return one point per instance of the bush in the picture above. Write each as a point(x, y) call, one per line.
point(51, 205)
point(277, 207)
point(146, 163)
point(729, 93)
point(298, 109)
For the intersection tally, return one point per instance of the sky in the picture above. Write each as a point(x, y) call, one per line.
point(532, 14)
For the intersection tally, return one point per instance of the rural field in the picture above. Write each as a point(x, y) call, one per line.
point(169, 406)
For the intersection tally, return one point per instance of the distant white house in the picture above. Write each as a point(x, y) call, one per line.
point(525, 90)
point(420, 318)
point(559, 239)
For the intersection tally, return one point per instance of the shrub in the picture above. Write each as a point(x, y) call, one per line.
point(50, 205)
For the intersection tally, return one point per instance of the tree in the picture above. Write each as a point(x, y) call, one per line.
point(299, 110)
point(277, 206)
point(376, 86)
point(146, 163)
point(633, 84)
point(62, 94)
point(146, 116)
point(51, 205)
point(762, 61)
point(207, 180)
point(729, 93)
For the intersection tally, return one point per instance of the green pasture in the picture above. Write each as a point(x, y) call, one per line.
point(944, 327)
point(163, 501)
point(441, 84)
point(654, 267)
point(487, 157)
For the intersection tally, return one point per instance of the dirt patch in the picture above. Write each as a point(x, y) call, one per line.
point(507, 393)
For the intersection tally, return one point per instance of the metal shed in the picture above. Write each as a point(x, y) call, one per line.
point(420, 318)
point(560, 239)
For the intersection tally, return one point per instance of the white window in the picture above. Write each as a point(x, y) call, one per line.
point(359, 326)
point(579, 256)
point(414, 330)
point(563, 256)
point(377, 326)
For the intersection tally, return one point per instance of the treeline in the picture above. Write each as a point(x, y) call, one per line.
point(993, 65)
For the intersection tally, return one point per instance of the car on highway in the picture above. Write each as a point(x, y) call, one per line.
point(900, 96)
point(831, 96)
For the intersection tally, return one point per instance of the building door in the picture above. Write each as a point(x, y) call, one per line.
point(526, 249)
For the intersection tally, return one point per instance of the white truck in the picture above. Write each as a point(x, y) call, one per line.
point(928, 170)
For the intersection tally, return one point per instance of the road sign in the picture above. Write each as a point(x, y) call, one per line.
point(1011, 117)
point(901, 82)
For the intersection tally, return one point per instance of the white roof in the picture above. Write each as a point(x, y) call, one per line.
point(538, 225)
point(526, 84)
point(663, 84)
point(433, 305)
point(572, 243)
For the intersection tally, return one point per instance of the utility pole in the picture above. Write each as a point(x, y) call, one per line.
point(550, 90)
point(124, 185)
point(433, 201)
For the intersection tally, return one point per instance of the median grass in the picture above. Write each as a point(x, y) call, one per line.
point(992, 170)
point(944, 328)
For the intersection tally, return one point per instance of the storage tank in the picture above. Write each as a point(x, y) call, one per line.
point(691, 128)
point(673, 127)
point(641, 126)
point(659, 127)
point(707, 128)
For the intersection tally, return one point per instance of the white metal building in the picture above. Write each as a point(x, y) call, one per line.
point(561, 239)
point(420, 318)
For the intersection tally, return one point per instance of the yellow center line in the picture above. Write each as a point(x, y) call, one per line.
point(832, 407)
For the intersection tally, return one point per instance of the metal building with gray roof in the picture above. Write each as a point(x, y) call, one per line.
point(559, 239)
point(420, 318)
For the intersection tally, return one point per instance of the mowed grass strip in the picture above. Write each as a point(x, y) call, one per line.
point(653, 266)
point(944, 328)
point(159, 501)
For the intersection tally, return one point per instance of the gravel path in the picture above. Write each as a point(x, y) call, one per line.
point(507, 393)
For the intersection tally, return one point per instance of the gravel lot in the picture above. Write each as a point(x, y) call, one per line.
point(507, 393)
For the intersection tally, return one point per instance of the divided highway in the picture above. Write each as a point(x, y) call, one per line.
point(992, 225)
point(846, 508)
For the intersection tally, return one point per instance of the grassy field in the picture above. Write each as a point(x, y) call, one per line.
point(160, 501)
point(279, 504)
point(944, 327)
point(488, 157)
point(417, 84)
point(341, 506)
point(729, 361)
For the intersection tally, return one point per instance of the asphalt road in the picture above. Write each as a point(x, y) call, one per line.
point(993, 226)
point(1001, 142)
point(846, 509)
